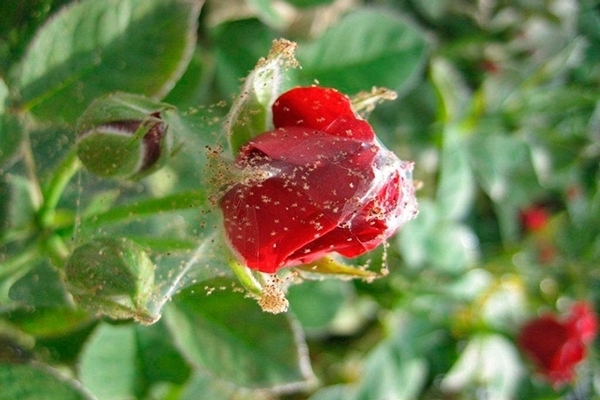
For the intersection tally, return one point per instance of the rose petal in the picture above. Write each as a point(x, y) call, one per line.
point(299, 146)
point(558, 346)
point(314, 184)
point(389, 205)
point(543, 339)
point(583, 322)
point(319, 183)
point(322, 109)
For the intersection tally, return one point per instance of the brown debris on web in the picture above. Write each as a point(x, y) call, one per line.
point(365, 102)
point(283, 49)
point(273, 299)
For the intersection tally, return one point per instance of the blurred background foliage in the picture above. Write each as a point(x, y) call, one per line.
point(498, 107)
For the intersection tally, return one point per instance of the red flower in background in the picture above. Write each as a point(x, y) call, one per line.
point(534, 218)
point(320, 182)
point(534, 221)
point(557, 346)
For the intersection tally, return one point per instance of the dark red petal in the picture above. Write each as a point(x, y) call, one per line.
point(365, 229)
point(322, 109)
point(534, 218)
point(354, 128)
point(299, 146)
point(265, 224)
point(542, 339)
point(315, 181)
point(583, 322)
point(312, 107)
point(562, 369)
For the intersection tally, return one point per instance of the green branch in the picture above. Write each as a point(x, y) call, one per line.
point(178, 201)
point(55, 188)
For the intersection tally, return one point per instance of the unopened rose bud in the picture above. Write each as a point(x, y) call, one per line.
point(123, 136)
point(114, 277)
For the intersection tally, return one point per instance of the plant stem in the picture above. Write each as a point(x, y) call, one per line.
point(55, 188)
point(37, 197)
point(246, 278)
point(56, 249)
point(14, 268)
point(178, 201)
point(14, 264)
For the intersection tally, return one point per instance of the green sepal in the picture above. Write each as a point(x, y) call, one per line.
point(114, 277)
point(250, 114)
point(330, 266)
point(116, 107)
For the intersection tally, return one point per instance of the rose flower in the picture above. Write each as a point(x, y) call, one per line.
point(320, 182)
point(555, 345)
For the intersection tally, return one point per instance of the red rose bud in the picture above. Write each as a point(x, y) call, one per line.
point(534, 218)
point(557, 346)
point(318, 183)
point(123, 136)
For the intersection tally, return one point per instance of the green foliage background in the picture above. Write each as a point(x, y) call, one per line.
point(498, 107)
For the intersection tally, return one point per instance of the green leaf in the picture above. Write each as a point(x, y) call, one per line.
point(335, 392)
point(12, 270)
point(431, 240)
point(366, 48)
point(18, 204)
point(209, 386)
point(230, 336)
point(19, 21)
point(107, 366)
point(158, 359)
point(238, 45)
point(41, 286)
point(36, 381)
point(433, 9)
point(49, 321)
point(504, 168)
point(315, 303)
point(194, 86)
point(11, 129)
point(308, 3)
point(451, 89)
point(478, 368)
point(268, 13)
point(3, 96)
point(456, 186)
point(94, 47)
point(397, 368)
